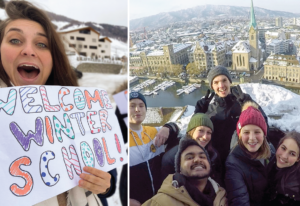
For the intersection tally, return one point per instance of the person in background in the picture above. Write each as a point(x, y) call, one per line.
point(224, 111)
point(284, 173)
point(200, 128)
point(147, 144)
point(191, 184)
point(33, 54)
point(246, 165)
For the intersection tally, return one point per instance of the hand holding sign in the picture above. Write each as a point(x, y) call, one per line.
point(97, 181)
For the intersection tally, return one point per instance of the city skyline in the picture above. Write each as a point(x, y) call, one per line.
point(140, 9)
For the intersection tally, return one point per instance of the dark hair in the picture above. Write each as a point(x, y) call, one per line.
point(296, 167)
point(62, 73)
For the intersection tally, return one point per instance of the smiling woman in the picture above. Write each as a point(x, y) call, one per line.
point(33, 54)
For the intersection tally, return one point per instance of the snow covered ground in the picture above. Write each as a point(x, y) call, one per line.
point(274, 100)
point(118, 48)
point(109, 82)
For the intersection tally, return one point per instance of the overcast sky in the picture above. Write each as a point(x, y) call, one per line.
point(139, 8)
point(99, 11)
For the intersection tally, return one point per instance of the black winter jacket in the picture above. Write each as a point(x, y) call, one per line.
point(245, 179)
point(224, 113)
point(287, 194)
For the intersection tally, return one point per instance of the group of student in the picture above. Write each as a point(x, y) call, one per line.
point(225, 157)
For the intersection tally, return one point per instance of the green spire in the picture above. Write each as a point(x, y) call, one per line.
point(252, 21)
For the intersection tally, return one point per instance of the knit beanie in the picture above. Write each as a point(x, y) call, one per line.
point(184, 143)
point(218, 70)
point(199, 119)
point(251, 115)
point(137, 95)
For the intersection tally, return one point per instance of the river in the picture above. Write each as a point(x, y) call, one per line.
point(168, 97)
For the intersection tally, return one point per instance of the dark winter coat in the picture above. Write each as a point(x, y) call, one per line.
point(224, 113)
point(168, 165)
point(245, 179)
point(278, 194)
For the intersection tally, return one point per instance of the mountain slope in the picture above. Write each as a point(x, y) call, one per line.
point(204, 11)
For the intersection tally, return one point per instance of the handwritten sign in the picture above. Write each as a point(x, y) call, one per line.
point(48, 134)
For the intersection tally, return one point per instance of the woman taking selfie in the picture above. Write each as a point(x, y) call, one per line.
point(284, 172)
point(245, 178)
point(32, 54)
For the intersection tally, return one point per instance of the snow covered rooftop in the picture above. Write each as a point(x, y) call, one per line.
point(253, 60)
point(156, 53)
point(241, 47)
point(179, 47)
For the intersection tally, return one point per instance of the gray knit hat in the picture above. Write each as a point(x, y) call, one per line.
point(218, 70)
point(184, 143)
point(200, 119)
point(137, 95)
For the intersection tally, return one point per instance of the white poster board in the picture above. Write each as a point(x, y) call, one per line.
point(48, 134)
point(121, 100)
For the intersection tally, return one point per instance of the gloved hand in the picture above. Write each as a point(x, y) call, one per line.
point(207, 100)
point(240, 96)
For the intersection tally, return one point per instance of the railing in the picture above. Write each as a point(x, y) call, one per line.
point(100, 60)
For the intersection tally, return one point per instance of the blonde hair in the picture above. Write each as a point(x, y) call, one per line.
point(264, 152)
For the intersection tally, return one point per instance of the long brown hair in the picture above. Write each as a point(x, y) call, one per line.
point(62, 73)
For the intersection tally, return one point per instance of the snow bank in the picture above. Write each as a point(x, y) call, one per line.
point(2, 14)
point(276, 100)
point(153, 116)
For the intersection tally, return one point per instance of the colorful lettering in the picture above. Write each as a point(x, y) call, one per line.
point(14, 170)
point(94, 99)
point(78, 117)
point(24, 140)
point(26, 101)
point(107, 102)
point(71, 161)
point(62, 92)
point(87, 154)
point(46, 103)
point(67, 129)
point(10, 105)
point(79, 99)
point(49, 132)
point(99, 152)
point(44, 170)
point(91, 122)
point(103, 119)
point(110, 161)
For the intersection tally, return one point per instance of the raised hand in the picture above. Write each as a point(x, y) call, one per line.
point(207, 100)
point(161, 136)
point(240, 96)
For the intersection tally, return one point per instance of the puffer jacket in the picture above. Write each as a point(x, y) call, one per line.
point(278, 194)
point(245, 178)
point(224, 114)
point(170, 194)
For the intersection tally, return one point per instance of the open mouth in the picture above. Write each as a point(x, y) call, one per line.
point(252, 144)
point(28, 72)
point(198, 166)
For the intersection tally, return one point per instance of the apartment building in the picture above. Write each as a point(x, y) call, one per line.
point(284, 68)
point(85, 41)
point(277, 46)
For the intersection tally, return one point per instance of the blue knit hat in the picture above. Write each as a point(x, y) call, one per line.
point(137, 95)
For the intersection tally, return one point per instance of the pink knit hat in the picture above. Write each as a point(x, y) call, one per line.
point(251, 115)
